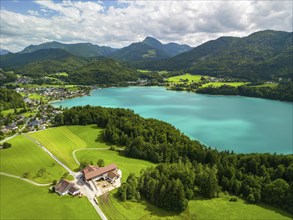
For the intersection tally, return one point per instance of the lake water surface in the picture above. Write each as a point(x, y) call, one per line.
point(235, 123)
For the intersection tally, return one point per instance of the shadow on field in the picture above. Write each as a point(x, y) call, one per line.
point(277, 210)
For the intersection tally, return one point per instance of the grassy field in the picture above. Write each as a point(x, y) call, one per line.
point(219, 208)
point(272, 85)
point(62, 141)
point(189, 77)
point(127, 165)
point(143, 71)
point(26, 156)
point(11, 111)
point(91, 134)
point(218, 84)
point(222, 208)
point(21, 200)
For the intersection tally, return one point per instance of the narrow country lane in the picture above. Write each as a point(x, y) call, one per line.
point(89, 194)
point(24, 179)
point(74, 156)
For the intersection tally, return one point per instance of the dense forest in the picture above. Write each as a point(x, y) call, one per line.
point(6, 77)
point(10, 99)
point(283, 92)
point(191, 168)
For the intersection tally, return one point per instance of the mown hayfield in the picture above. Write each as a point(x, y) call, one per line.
point(26, 156)
point(219, 208)
point(21, 200)
point(127, 165)
point(218, 84)
point(189, 77)
point(62, 141)
point(91, 134)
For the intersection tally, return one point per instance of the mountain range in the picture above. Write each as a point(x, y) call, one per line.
point(149, 49)
point(262, 55)
point(79, 49)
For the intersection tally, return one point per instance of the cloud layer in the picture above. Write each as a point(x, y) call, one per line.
point(186, 22)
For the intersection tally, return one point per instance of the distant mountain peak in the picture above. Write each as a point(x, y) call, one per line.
point(3, 51)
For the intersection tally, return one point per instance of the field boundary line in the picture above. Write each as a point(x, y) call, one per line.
point(24, 179)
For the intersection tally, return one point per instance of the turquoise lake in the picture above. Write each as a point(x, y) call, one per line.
point(235, 123)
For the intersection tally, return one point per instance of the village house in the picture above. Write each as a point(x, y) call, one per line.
point(96, 173)
point(64, 187)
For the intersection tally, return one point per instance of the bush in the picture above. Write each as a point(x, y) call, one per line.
point(233, 199)
point(6, 145)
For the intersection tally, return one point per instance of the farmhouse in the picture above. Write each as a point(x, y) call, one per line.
point(96, 173)
point(64, 187)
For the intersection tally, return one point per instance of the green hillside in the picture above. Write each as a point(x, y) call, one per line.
point(261, 55)
point(80, 49)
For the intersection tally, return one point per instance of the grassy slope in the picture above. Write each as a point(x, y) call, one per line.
point(91, 134)
point(272, 85)
point(21, 200)
point(62, 141)
point(26, 156)
point(127, 165)
point(219, 208)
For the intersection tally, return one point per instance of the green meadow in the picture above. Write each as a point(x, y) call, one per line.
point(187, 76)
point(62, 141)
point(26, 156)
point(143, 71)
point(200, 209)
point(21, 200)
point(218, 84)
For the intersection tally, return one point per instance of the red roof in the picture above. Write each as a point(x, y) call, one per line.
point(91, 172)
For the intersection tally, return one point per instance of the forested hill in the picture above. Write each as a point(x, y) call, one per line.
point(80, 70)
point(149, 49)
point(79, 49)
point(189, 169)
point(102, 71)
point(14, 61)
point(261, 55)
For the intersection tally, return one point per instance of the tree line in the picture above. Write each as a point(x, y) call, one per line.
point(283, 92)
point(10, 99)
point(254, 177)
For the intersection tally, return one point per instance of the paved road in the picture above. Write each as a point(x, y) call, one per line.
point(24, 179)
point(89, 192)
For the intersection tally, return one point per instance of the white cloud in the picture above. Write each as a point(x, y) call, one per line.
point(32, 12)
point(189, 22)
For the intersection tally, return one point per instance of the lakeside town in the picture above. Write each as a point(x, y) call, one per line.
point(37, 113)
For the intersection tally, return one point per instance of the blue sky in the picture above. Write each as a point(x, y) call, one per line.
point(119, 23)
point(23, 6)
